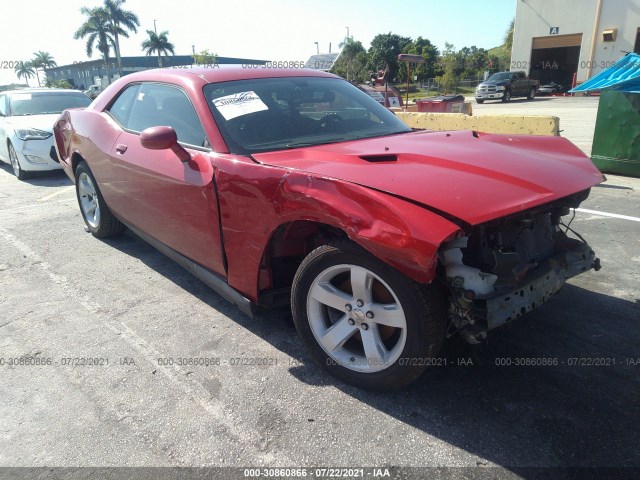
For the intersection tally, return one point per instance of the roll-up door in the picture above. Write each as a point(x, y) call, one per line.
point(557, 41)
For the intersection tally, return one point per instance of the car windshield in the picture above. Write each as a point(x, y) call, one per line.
point(260, 115)
point(41, 103)
point(500, 76)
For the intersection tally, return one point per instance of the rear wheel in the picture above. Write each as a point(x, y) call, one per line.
point(15, 163)
point(532, 93)
point(97, 216)
point(364, 321)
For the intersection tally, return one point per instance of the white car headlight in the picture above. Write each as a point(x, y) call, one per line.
point(32, 134)
point(499, 89)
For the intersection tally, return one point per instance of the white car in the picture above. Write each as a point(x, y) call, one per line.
point(26, 123)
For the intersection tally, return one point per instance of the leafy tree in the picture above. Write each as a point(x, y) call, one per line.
point(205, 58)
point(98, 30)
point(120, 20)
point(24, 70)
point(424, 71)
point(158, 43)
point(352, 62)
point(42, 60)
point(449, 63)
point(49, 82)
point(472, 62)
point(384, 50)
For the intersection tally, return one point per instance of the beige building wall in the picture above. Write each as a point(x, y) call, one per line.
point(536, 18)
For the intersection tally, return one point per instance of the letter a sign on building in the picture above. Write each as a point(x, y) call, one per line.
point(554, 30)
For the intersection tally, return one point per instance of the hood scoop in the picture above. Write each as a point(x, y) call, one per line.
point(385, 157)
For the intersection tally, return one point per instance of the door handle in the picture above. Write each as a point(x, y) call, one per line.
point(120, 148)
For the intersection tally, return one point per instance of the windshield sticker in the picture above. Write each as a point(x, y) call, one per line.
point(239, 104)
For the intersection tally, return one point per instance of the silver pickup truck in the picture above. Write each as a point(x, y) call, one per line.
point(505, 85)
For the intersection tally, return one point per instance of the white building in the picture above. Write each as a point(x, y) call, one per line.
point(555, 39)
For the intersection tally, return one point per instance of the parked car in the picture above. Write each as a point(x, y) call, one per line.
point(93, 91)
point(550, 89)
point(26, 123)
point(506, 85)
point(282, 186)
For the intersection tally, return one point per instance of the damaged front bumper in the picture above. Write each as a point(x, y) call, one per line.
point(473, 314)
point(537, 287)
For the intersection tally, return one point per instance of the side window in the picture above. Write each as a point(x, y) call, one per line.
point(156, 104)
point(3, 105)
point(121, 108)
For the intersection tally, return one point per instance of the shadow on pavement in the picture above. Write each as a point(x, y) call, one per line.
point(52, 178)
point(579, 409)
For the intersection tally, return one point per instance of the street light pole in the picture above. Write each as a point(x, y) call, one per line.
point(154, 27)
point(317, 48)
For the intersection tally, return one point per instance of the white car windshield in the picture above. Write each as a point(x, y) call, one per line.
point(42, 103)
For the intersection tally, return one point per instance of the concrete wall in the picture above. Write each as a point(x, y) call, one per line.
point(534, 18)
point(508, 124)
point(625, 16)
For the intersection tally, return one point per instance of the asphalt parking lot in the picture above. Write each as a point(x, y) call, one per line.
point(66, 295)
point(577, 114)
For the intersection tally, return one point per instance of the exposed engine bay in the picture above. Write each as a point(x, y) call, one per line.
point(505, 268)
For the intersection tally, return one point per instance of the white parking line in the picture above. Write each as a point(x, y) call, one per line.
point(56, 193)
point(605, 214)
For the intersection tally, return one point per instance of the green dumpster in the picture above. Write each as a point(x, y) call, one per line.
point(616, 140)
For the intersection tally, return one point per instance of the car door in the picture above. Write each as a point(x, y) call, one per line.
point(152, 190)
point(4, 111)
point(520, 84)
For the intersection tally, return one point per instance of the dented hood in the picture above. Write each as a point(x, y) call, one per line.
point(475, 177)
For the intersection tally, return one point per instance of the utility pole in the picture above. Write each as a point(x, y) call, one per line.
point(317, 48)
point(154, 27)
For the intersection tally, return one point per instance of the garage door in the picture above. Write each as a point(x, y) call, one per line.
point(557, 41)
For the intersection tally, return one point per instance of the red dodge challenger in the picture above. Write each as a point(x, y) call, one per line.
point(277, 186)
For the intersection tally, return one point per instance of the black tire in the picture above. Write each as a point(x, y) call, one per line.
point(105, 225)
point(507, 96)
point(480, 101)
point(15, 164)
point(423, 308)
point(532, 93)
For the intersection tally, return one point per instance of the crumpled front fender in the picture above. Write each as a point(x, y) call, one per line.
point(255, 200)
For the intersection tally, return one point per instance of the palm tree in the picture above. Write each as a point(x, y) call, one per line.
point(120, 19)
point(24, 70)
point(508, 36)
point(98, 30)
point(42, 60)
point(350, 50)
point(158, 43)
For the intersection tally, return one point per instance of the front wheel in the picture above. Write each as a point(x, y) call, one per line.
point(364, 321)
point(15, 164)
point(480, 100)
point(532, 93)
point(97, 216)
point(507, 96)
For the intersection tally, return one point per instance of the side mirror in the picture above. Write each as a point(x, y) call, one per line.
point(161, 138)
